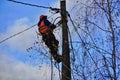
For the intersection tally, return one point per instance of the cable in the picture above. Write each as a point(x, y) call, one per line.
point(73, 56)
point(55, 9)
point(83, 43)
point(57, 68)
point(71, 45)
point(28, 4)
point(54, 63)
point(51, 68)
point(17, 34)
point(59, 72)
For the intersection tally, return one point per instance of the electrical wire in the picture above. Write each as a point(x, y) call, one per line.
point(54, 9)
point(51, 68)
point(59, 72)
point(84, 43)
point(71, 45)
point(17, 34)
point(33, 5)
point(62, 74)
point(29, 4)
point(55, 66)
point(31, 26)
point(73, 58)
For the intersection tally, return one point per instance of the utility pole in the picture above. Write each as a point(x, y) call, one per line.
point(66, 68)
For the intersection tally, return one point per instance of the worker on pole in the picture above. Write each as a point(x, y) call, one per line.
point(46, 29)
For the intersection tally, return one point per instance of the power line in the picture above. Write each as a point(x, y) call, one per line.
point(54, 63)
point(84, 44)
point(29, 4)
point(34, 5)
point(17, 34)
point(51, 68)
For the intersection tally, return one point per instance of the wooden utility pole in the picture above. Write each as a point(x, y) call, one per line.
point(66, 68)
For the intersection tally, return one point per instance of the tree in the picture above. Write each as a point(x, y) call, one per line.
point(94, 40)
point(99, 36)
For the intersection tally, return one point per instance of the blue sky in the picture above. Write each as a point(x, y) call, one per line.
point(17, 17)
point(15, 63)
point(13, 19)
point(9, 11)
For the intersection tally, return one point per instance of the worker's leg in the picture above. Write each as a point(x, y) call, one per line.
point(49, 41)
point(46, 39)
point(52, 44)
point(54, 48)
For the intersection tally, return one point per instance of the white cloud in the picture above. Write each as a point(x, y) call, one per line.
point(26, 39)
point(23, 40)
point(10, 69)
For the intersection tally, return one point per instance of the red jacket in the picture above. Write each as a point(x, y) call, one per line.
point(42, 27)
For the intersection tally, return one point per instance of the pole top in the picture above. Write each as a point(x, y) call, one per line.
point(62, 0)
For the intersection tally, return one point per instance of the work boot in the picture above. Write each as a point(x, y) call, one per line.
point(57, 57)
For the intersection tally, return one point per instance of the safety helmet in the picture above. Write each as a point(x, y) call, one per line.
point(42, 16)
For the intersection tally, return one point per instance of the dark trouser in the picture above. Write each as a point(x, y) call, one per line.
point(51, 42)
